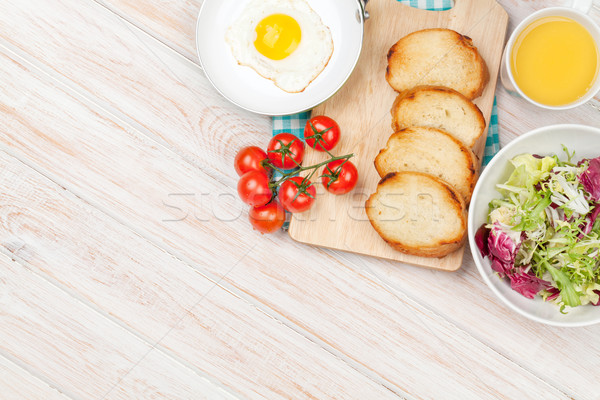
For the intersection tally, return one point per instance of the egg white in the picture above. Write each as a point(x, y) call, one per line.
point(294, 73)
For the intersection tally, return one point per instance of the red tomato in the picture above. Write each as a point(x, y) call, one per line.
point(297, 195)
point(339, 176)
point(285, 151)
point(321, 133)
point(250, 158)
point(253, 188)
point(268, 218)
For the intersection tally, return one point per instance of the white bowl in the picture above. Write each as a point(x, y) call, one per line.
point(245, 88)
point(585, 141)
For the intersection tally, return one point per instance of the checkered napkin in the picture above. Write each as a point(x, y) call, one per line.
point(294, 124)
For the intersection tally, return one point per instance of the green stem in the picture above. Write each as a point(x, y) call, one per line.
point(328, 153)
point(286, 175)
point(269, 165)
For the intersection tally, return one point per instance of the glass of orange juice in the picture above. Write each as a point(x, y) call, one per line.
point(552, 58)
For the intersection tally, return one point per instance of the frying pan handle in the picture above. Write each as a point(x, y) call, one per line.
point(363, 5)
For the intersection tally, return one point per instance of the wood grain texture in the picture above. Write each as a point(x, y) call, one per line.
point(364, 324)
point(516, 116)
point(17, 383)
point(169, 22)
point(160, 377)
point(76, 349)
point(120, 69)
point(366, 124)
point(162, 299)
point(466, 302)
point(134, 77)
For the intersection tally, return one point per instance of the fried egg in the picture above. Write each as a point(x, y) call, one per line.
point(282, 40)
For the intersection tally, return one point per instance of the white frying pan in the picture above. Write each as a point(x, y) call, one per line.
point(245, 88)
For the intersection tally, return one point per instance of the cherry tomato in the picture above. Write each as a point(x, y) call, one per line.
point(268, 218)
point(285, 151)
point(297, 195)
point(250, 158)
point(321, 133)
point(253, 188)
point(339, 176)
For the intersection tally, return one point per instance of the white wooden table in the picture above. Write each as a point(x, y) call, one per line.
point(128, 269)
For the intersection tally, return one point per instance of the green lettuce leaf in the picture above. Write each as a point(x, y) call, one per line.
point(529, 170)
point(569, 294)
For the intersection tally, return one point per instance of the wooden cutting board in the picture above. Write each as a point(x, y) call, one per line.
point(362, 109)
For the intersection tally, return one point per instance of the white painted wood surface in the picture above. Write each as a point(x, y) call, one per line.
point(128, 269)
point(124, 283)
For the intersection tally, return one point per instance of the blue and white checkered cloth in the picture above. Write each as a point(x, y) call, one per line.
point(294, 124)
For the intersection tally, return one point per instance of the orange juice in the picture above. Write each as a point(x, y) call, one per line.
point(555, 61)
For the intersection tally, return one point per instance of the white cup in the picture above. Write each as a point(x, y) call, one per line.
point(578, 12)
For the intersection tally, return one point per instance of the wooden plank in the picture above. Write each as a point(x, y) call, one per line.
point(133, 76)
point(467, 302)
point(150, 12)
point(173, 23)
point(445, 287)
point(462, 298)
point(162, 299)
point(363, 323)
point(157, 377)
point(180, 31)
point(17, 383)
point(367, 123)
point(77, 350)
point(178, 115)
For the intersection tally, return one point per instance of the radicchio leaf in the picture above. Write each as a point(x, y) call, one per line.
point(502, 249)
point(590, 179)
point(598, 302)
point(500, 267)
point(527, 285)
point(481, 239)
point(554, 293)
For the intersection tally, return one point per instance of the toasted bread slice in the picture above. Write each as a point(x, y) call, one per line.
point(418, 214)
point(439, 57)
point(431, 151)
point(439, 107)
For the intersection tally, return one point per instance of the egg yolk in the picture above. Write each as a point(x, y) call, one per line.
point(277, 36)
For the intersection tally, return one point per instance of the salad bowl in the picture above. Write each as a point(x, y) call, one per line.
point(546, 141)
